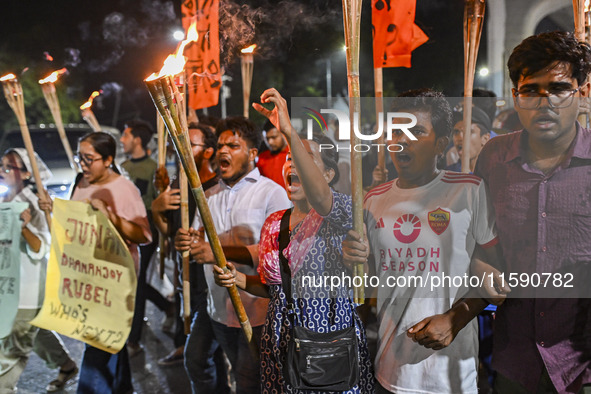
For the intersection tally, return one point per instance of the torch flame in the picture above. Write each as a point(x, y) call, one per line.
point(249, 49)
point(88, 104)
point(175, 63)
point(53, 76)
point(8, 77)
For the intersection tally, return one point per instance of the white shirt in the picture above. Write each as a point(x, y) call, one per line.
point(239, 213)
point(423, 232)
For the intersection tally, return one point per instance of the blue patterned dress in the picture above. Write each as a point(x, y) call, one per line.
point(317, 308)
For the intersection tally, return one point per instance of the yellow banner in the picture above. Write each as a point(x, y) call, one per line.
point(91, 280)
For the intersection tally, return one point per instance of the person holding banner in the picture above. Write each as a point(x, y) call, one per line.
point(32, 250)
point(119, 199)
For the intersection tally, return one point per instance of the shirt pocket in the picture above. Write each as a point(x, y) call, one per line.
point(580, 237)
point(246, 225)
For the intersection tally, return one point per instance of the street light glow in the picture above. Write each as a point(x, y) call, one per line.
point(483, 72)
point(179, 35)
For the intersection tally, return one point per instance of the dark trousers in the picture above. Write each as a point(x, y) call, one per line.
point(545, 386)
point(104, 373)
point(144, 290)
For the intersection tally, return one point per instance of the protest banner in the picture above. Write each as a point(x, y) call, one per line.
point(10, 236)
point(91, 280)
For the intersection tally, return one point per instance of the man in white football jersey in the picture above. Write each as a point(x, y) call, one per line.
point(422, 229)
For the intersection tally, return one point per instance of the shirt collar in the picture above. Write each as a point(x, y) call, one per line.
point(580, 149)
point(251, 177)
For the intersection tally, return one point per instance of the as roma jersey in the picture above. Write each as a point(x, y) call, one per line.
point(422, 240)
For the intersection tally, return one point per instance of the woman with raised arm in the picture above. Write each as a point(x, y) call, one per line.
point(318, 224)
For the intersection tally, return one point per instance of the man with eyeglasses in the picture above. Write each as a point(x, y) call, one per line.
point(539, 180)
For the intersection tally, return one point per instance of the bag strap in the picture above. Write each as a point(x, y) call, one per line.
point(284, 238)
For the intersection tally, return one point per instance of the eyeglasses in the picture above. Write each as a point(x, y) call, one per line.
point(531, 99)
point(7, 168)
point(86, 159)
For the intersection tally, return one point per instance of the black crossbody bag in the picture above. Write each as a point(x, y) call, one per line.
point(315, 361)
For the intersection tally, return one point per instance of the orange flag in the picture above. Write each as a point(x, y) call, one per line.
point(395, 34)
point(203, 71)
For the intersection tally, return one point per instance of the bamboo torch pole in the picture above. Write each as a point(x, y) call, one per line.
point(162, 94)
point(13, 92)
point(184, 187)
point(473, 18)
point(161, 135)
point(246, 66)
point(50, 94)
point(580, 9)
point(185, 255)
point(378, 81)
point(87, 113)
point(352, 20)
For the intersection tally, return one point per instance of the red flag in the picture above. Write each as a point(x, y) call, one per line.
point(395, 34)
point(203, 71)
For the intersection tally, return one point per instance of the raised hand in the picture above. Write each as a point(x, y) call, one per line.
point(279, 115)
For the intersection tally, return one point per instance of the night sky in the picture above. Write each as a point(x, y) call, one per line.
point(116, 44)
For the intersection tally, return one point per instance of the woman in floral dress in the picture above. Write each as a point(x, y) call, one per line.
point(319, 222)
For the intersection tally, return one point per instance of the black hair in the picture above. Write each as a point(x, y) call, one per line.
point(210, 140)
point(208, 120)
point(243, 127)
point(142, 129)
point(479, 118)
point(268, 125)
point(431, 101)
point(486, 100)
point(330, 157)
point(537, 52)
point(104, 144)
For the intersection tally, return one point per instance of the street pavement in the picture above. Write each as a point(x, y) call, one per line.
point(148, 376)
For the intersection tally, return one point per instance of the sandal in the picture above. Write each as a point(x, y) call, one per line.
point(62, 379)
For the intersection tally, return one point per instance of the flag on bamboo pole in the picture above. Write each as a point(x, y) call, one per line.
point(203, 71)
point(395, 34)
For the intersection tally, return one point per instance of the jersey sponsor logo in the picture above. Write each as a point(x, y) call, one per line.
point(380, 223)
point(439, 220)
point(407, 228)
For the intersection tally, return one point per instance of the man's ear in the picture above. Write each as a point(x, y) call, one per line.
point(514, 93)
point(585, 89)
point(484, 138)
point(252, 154)
point(208, 153)
point(441, 143)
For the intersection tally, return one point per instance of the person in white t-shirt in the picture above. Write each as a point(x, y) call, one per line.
point(422, 227)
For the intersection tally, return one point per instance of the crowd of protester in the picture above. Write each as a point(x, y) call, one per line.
point(523, 206)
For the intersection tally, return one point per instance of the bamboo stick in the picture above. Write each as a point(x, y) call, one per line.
point(87, 113)
point(162, 95)
point(378, 81)
point(161, 136)
point(351, 21)
point(580, 13)
point(246, 67)
point(186, 254)
point(50, 95)
point(473, 18)
point(13, 92)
